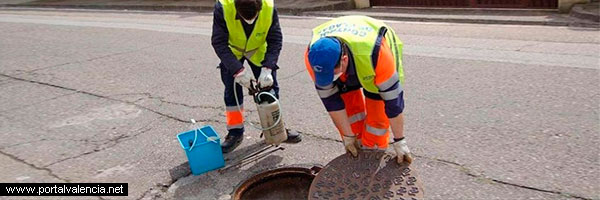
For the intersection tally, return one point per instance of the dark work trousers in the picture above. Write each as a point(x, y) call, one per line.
point(229, 97)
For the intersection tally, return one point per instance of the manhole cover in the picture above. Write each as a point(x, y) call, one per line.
point(281, 183)
point(347, 177)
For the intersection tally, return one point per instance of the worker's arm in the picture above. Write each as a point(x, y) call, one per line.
point(397, 124)
point(333, 102)
point(340, 119)
point(274, 43)
point(390, 89)
point(220, 42)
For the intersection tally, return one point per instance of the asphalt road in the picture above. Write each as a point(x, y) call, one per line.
point(492, 111)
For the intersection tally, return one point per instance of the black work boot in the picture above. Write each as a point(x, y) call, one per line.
point(231, 142)
point(292, 136)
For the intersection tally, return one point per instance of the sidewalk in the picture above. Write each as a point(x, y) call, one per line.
point(583, 15)
point(467, 15)
point(590, 11)
point(294, 7)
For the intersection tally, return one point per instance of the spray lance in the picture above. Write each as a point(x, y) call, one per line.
point(269, 112)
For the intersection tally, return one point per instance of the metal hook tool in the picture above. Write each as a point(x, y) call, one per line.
point(252, 157)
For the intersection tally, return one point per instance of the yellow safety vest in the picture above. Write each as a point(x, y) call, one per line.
point(253, 48)
point(360, 34)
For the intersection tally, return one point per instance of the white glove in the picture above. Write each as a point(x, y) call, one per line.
point(243, 78)
point(350, 144)
point(266, 78)
point(402, 151)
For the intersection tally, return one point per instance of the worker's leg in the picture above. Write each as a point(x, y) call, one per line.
point(355, 109)
point(376, 134)
point(235, 117)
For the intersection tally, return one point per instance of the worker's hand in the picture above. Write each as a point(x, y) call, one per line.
point(350, 144)
point(265, 79)
point(243, 77)
point(402, 151)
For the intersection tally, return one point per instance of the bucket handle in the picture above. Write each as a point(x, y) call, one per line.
point(196, 130)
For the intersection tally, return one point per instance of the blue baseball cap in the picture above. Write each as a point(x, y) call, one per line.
point(323, 56)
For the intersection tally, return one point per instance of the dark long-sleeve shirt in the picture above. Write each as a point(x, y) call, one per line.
point(220, 41)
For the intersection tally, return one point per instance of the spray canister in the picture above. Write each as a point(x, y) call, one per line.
point(270, 118)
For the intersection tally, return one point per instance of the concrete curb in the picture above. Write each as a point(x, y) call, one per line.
point(579, 12)
point(347, 5)
point(466, 20)
point(489, 11)
point(115, 7)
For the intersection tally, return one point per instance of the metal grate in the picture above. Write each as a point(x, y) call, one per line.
point(363, 177)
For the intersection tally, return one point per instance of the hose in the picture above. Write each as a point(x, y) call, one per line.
point(258, 96)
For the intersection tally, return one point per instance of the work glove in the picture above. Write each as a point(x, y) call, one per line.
point(350, 144)
point(402, 151)
point(265, 79)
point(243, 78)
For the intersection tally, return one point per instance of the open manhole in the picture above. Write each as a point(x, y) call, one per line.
point(280, 183)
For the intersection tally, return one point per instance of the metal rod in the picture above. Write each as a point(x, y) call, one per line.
point(252, 157)
point(246, 156)
point(257, 152)
point(258, 157)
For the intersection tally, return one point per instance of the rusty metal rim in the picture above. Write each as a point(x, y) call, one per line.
point(272, 173)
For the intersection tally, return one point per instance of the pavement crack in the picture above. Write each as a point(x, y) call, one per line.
point(211, 120)
point(156, 192)
point(161, 99)
point(469, 172)
point(526, 46)
point(35, 167)
point(96, 95)
point(113, 142)
point(43, 140)
point(4, 82)
point(132, 94)
point(110, 98)
point(22, 143)
point(39, 102)
point(291, 76)
point(318, 136)
point(101, 57)
point(144, 194)
point(540, 190)
point(72, 157)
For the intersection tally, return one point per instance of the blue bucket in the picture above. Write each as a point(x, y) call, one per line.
point(202, 148)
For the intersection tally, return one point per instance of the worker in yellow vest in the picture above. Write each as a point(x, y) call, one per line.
point(246, 30)
point(353, 52)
